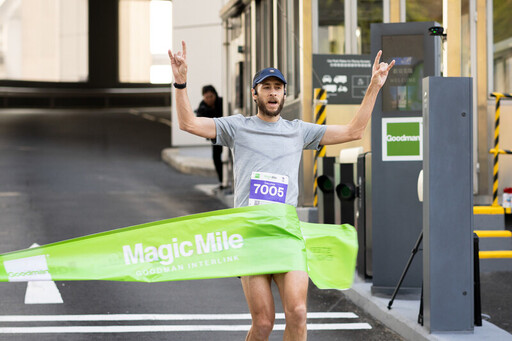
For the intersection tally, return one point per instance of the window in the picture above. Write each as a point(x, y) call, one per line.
point(264, 34)
point(331, 27)
point(368, 12)
point(44, 40)
point(145, 33)
point(287, 44)
point(419, 10)
point(502, 11)
point(277, 36)
point(247, 69)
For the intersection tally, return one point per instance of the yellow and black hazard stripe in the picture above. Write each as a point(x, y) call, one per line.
point(496, 150)
point(320, 103)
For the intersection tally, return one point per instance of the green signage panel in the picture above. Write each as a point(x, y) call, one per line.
point(402, 139)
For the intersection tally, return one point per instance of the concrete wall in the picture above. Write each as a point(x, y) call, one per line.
point(44, 40)
point(134, 41)
point(342, 114)
point(73, 37)
point(197, 22)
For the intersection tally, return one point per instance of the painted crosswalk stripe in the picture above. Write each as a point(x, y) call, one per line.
point(42, 292)
point(169, 328)
point(160, 317)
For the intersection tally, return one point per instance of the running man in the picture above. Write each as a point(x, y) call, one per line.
point(270, 146)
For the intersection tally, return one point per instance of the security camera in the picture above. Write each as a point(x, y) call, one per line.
point(437, 31)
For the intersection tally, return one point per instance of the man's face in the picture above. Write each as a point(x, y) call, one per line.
point(270, 96)
point(209, 98)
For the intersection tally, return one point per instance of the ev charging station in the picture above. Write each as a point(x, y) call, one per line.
point(337, 190)
point(345, 187)
point(396, 158)
point(363, 215)
point(351, 204)
point(325, 183)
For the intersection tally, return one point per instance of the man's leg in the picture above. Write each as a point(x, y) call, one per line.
point(293, 288)
point(261, 305)
point(217, 161)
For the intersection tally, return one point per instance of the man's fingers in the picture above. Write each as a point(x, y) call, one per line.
point(391, 65)
point(377, 60)
point(178, 57)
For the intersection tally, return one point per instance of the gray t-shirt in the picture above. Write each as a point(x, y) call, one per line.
point(260, 146)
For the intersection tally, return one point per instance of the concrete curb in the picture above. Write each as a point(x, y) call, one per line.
point(188, 164)
point(402, 318)
point(360, 294)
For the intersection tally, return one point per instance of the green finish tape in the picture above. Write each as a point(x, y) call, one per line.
point(242, 241)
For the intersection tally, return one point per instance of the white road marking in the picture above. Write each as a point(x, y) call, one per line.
point(10, 194)
point(165, 121)
point(42, 292)
point(169, 328)
point(149, 117)
point(157, 317)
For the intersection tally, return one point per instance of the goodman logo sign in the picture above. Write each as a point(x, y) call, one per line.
point(402, 139)
point(27, 269)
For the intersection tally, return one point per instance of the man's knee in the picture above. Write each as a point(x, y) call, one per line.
point(262, 326)
point(297, 315)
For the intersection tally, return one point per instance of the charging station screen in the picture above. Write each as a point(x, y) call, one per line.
point(402, 90)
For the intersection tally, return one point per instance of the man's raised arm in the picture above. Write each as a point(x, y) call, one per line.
point(354, 130)
point(200, 126)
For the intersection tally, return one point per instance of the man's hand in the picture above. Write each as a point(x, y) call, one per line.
point(179, 64)
point(380, 71)
point(354, 130)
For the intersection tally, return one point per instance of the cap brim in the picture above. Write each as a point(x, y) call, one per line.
point(258, 81)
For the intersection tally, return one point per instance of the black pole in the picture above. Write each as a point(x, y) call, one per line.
point(420, 314)
point(414, 251)
point(476, 281)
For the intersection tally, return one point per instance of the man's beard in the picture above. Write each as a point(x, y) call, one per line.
point(262, 108)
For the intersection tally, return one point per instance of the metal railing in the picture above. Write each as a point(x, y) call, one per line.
point(320, 101)
point(494, 234)
point(496, 150)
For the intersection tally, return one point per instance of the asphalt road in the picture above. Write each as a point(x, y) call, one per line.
point(68, 174)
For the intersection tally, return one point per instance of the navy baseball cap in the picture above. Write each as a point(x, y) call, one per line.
point(261, 75)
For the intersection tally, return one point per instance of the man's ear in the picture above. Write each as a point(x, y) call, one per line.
point(254, 94)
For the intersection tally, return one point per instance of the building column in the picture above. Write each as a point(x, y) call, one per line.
point(306, 94)
point(452, 23)
point(396, 11)
point(482, 93)
point(103, 43)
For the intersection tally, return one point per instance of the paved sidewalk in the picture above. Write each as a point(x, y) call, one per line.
point(191, 160)
point(402, 318)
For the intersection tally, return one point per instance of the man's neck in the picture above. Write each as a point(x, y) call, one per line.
point(267, 118)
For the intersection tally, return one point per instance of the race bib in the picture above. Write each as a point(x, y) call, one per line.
point(267, 188)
